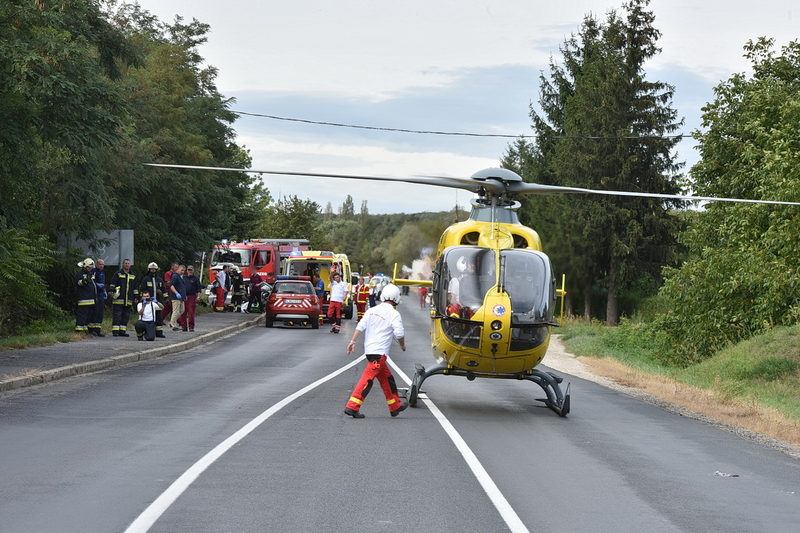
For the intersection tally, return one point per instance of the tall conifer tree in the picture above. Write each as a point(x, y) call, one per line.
point(604, 126)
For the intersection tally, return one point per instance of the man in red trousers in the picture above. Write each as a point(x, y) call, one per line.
point(381, 325)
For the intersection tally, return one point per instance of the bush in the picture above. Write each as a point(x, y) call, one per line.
point(24, 296)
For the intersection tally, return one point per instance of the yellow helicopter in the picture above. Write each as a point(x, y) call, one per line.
point(494, 293)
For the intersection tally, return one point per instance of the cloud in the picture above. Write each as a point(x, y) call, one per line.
point(453, 66)
point(489, 100)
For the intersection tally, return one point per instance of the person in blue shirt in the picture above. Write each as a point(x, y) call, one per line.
point(177, 295)
point(193, 288)
point(319, 288)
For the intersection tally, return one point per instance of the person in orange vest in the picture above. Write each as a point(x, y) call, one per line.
point(361, 292)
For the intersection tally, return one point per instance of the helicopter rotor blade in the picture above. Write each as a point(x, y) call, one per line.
point(493, 180)
point(535, 188)
point(439, 181)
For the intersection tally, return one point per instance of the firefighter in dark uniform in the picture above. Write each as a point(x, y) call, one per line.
point(238, 288)
point(96, 321)
point(155, 285)
point(87, 298)
point(124, 294)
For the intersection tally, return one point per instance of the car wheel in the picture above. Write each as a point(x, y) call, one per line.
point(314, 321)
point(267, 322)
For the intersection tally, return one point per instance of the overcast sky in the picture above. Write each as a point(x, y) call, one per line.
point(435, 65)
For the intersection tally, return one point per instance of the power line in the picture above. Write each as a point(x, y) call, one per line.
point(452, 133)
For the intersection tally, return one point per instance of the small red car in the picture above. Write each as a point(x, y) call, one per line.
point(293, 301)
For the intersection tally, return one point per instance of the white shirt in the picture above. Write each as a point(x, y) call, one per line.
point(338, 290)
point(453, 288)
point(381, 325)
point(149, 314)
point(221, 279)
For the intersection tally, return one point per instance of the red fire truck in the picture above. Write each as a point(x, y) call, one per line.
point(263, 255)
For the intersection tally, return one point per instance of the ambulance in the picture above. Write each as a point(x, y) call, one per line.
point(323, 264)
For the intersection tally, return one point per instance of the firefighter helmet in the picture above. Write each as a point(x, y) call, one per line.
point(391, 293)
point(152, 265)
point(88, 262)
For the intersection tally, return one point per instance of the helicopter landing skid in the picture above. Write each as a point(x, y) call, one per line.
point(556, 400)
point(549, 382)
point(419, 376)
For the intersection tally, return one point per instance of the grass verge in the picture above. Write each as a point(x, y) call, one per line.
point(754, 384)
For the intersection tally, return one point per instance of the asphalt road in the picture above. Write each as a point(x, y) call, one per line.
point(92, 453)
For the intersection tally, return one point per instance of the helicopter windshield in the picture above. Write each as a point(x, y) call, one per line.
point(527, 277)
point(466, 273)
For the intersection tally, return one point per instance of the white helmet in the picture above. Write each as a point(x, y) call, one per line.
point(88, 262)
point(461, 264)
point(152, 265)
point(391, 293)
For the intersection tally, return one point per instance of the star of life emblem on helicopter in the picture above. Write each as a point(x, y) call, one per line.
point(499, 310)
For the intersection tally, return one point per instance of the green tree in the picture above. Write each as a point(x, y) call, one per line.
point(24, 297)
point(347, 210)
point(407, 245)
point(248, 214)
point(89, 91)
point(604, 126)
point(177, 116)
point(340, 236)
point(741, 275)
point(60, 108)
point(292, 218)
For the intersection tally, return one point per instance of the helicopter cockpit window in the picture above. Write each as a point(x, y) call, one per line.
point(466, 273)
point(526, 275)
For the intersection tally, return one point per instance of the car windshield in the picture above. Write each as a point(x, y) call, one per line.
point(284, 287)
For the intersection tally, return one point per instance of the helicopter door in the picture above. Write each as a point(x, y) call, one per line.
point(527, 277)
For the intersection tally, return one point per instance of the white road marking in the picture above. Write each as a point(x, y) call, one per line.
point(149, 516)
point(154, 511)
point(501, 504)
